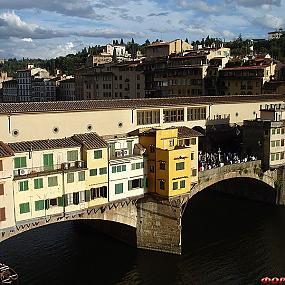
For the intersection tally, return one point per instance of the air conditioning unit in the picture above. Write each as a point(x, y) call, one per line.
point(125, 152)
point(118, 153)
point(23, 172)
point(65, 165)
point(79, 164)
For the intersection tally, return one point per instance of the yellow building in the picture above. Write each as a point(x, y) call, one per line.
point(172, 159)
point(245, 80)
point(162, 49)
point(54, 177)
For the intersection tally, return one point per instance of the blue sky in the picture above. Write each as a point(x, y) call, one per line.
point(49, 28)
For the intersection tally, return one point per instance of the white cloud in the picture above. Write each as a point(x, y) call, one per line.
point(198, 5)
point(269, 21)
point(27, 40)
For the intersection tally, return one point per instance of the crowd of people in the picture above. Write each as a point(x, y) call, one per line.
point(220, 159)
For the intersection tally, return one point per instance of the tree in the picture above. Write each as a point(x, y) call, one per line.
point(122, 42)
point(147, 42)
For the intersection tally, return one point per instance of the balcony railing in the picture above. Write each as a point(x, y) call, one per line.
point(53, 168)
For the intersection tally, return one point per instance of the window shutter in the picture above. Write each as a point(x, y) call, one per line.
point(2, 214)
point(1, 165)
point(130, 184)
point(65, 198)
point(1, 189)
point(87, 195)
point(60, 201)
point(47, 204)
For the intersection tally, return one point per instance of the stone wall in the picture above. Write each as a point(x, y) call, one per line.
point(159, 225)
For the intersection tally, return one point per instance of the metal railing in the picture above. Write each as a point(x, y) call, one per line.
point(52, 168)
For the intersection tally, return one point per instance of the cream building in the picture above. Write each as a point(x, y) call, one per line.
point(56, 120)
point(7, 217)
point(127, 167)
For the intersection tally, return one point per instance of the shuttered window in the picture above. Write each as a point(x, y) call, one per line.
point(2, 215)
point(175, 185)
point(182, 184)
point(48, 161)
point(20, 162)
point(103, 171)
point(1, 165)
point(81, 176)
point(70, 177)
point(40, 205)
point(119, 188)
point(38, 183)
point(60, 201)
point(1, 189)
point(52, 181)
point(24, 185)
point(93, 172)
point(180, 166)
point(72, 155)
point(87, 195)
point(97, 154)
point(24, 208)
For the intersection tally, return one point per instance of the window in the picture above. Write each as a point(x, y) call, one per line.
point(180, 166)
point(278, 131)
point(194, 172)
point(182, 184)
point(272, 156)
point(81, 176)
point(48, 161)
point(72, 155)
point(193, 141)
point(151, 169)
point(124, 168)
point(40, 205)
point(93, 172)
point(1, 165)
point(162, 165)
point(52, 181)
point(97, 154)
point(119, 188)
point(148, 117)
point(173, 115)
point(20, 162)
point(136, 183)
point(70, 177)
point(162, 184)
point(273, 131)
point(76, 198)
point(103, 171)
point(133, 166)
point(194, 114)
point(24, 208)
point(24, 185)
point(171, 142)
point(152, 148)
point(175, 185)
point(273, 144)
point(2, 215)
point(192, 156)
point(38, 183)
point(1, 189)
point(114, 169)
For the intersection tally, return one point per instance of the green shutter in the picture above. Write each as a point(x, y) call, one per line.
point(72, 155)
point(48, 161)
point(97, 154)
point(130, 147)
point(52, 181)
point(40, 205)
point(142, 182)
point(114, 169)
point(24, 208)
point(130, 184)
point(180, 166)
point(103, 171)
point(93, 172)
point(20, 162)
point(87, 195)
point(60, 201)
point(24, 185)
point(38, 183)
point(119, 188)
point(133, 166)
point(112, 149)
point(47, 204)
point(65, 200)
point(138, 165)
point(81, 176)
point(119, 168)
point(70, 177)
point(124, 168)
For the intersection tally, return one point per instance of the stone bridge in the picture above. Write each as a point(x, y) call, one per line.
point(154, 220)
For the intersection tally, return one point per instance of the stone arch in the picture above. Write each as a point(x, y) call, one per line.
point(121, 213)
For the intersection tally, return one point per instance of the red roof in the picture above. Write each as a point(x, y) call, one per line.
point(246, 67)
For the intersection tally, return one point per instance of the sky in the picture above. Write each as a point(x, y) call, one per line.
point(51, 28)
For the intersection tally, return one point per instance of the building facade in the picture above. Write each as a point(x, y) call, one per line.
point(10, 91)
point(67, 89)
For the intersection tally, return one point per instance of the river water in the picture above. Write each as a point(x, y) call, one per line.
point(226, 240)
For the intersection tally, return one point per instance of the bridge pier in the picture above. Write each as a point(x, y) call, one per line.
point(280, 186)
point(158, 225)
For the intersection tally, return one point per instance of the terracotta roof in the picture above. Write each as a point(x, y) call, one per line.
point(90, 141)
point(184, 132)
point(44, 145)
point(5, 150)
point(92, 105)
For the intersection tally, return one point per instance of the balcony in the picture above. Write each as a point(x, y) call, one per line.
point(34, 171)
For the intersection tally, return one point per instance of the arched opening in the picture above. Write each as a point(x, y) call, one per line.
point(223, 233)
